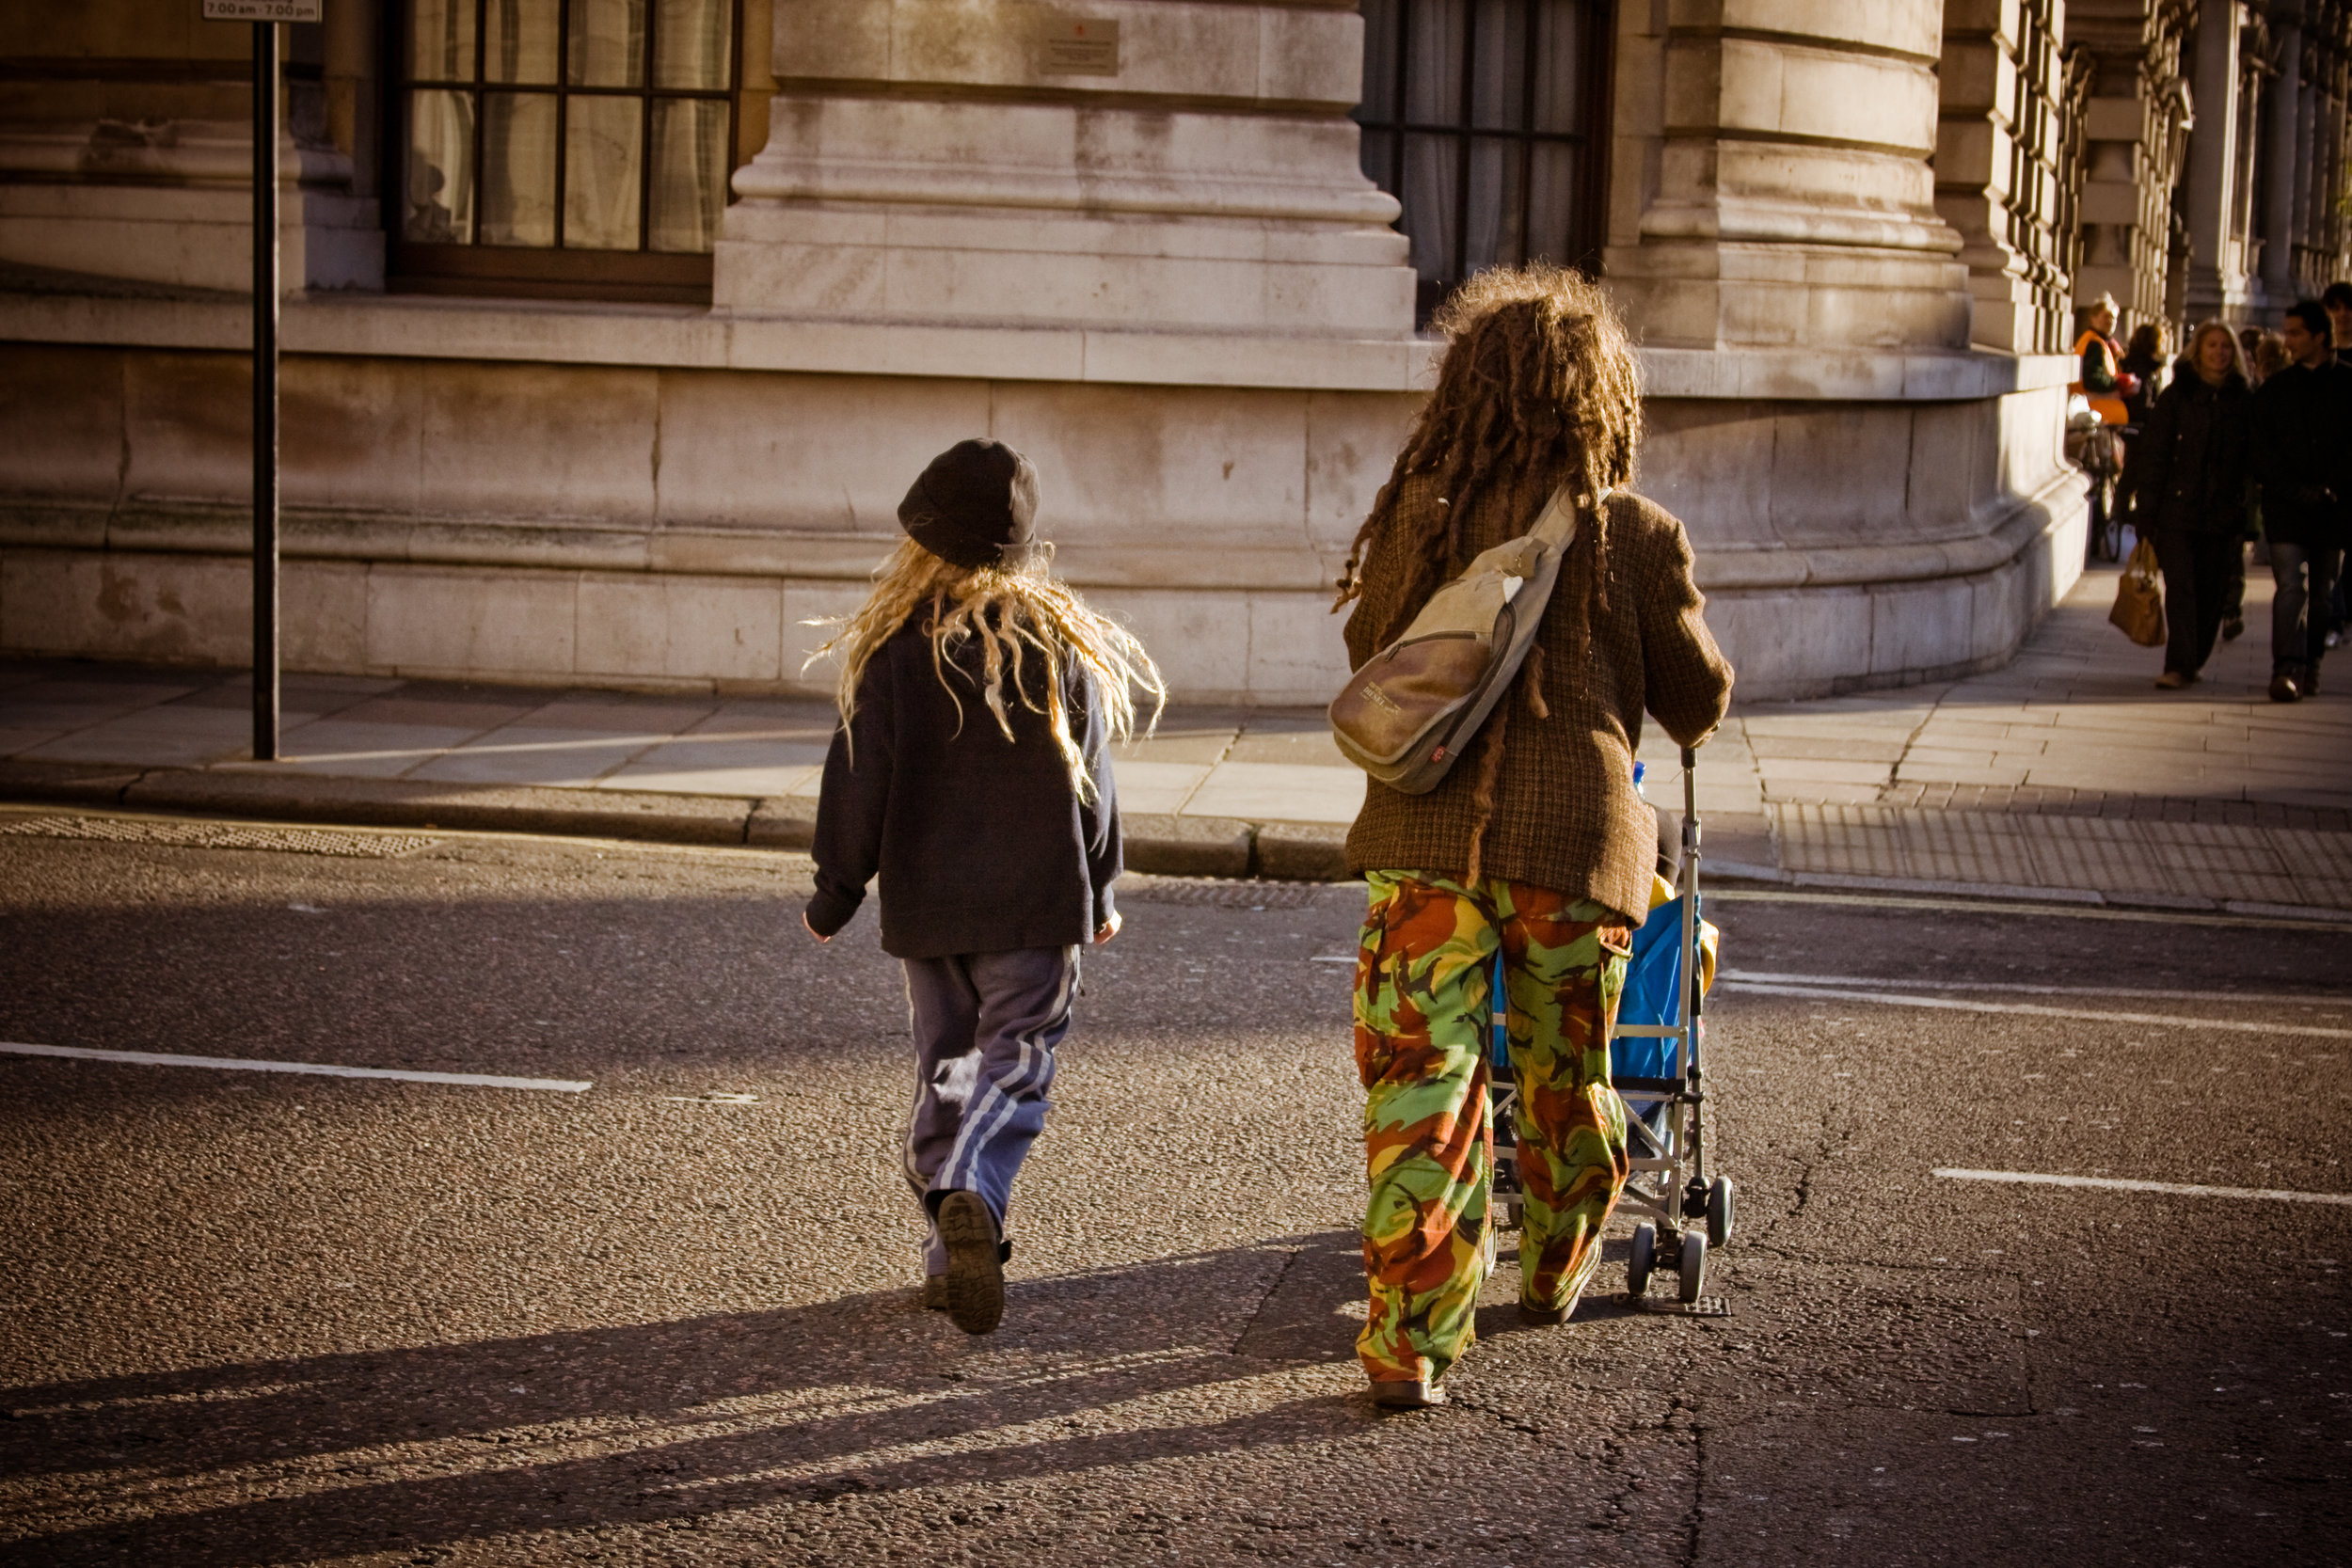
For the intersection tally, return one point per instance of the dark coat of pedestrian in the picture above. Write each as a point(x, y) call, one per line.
point(2195, 458)
point(2303, 459)
point(2144, 360)
point(980, 697)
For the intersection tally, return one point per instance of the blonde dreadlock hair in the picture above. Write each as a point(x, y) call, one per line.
point(1539, 378)
point(1011, 611)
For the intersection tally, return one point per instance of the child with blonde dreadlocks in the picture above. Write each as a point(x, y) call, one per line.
point(971, 772)
point(1537, 847)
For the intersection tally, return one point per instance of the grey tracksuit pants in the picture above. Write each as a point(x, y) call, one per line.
point(985, 1027)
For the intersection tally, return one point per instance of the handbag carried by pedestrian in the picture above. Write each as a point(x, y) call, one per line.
point(1410, 713)
point(2140, 598)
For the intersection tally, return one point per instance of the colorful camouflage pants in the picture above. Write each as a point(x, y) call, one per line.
point(1423, 976)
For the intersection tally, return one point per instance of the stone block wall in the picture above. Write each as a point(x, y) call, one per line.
point(669, 525)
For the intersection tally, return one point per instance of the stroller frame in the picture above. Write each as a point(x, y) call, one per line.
point(1668, 1183)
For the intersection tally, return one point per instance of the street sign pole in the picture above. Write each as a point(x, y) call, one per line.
point(264, 15)
point(266, 292)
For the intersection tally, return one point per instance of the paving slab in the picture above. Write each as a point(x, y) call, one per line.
point(527, 753)
point(2074, 727)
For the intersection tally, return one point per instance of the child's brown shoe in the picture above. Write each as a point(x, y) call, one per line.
point(976, 1265)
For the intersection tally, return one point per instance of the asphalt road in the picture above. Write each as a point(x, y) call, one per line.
point(252, 1318)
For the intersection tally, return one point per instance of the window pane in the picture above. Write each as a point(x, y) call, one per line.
point(690, 171)
point(1497, 223)
point(608, 43)
point(519, 168)
point(1551, 204)
point(1431, 184)
point(1379, 104)
point(1432, 75)
point(601, 165)
point(692, 43)
point(440, 168)
point(1559, 64)
point(440, 40)
point(1499, 73)
point(521, 43)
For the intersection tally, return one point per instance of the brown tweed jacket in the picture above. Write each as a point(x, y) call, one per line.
point(1566, 815)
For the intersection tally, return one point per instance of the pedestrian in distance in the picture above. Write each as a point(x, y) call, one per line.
point(2337, 302)
point(2304, 458)
point(1537, 845)
point(970, 773)
point(2190, 500)
point(2144, 362)
point(2270, 357)
point(2101, 377)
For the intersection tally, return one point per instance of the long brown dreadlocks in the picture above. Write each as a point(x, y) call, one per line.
point(1539, 372)
point(1539, 378)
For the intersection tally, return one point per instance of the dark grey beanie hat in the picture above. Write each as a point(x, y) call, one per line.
point(975, 506)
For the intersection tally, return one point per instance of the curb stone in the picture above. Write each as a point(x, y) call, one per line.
point(1164, 846)
point(77, 783)
point(1303, 852)
point(1187, 846)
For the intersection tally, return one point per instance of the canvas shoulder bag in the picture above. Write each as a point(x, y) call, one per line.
point(1408, 714)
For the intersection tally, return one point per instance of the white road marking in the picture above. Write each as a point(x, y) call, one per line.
point(325, 1069)
point(1863, 898)
point(2177, 1189)
point(2264, 998)
point(2160, 1021)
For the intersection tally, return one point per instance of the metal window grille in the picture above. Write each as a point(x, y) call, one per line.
point(1484, 118)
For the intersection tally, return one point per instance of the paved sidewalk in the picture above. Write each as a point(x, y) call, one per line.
point(2064, 773)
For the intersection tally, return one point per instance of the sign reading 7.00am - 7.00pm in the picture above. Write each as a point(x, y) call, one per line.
point(261, 10)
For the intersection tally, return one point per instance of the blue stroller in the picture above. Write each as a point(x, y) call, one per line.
point(1654, 1062)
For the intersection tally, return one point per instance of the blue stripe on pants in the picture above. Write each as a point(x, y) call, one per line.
point(985, 1026)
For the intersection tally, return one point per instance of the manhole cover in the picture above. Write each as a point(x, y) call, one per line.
point(219, 835)
point(1706, 1307)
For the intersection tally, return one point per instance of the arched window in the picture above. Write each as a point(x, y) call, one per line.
point(1485, 119)
point(560, 146)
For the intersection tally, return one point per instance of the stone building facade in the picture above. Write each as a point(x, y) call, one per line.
point(617, 327)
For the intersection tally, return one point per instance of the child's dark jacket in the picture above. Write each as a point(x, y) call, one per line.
point(982, 844)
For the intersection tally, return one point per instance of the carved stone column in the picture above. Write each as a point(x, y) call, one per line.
point(2217, 274)
point(1775, 190)
point(2135, 133)
point(2282, 166)
point(1998, 175)
point(1155, 164)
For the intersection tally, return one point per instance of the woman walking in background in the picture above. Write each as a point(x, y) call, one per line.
point(2191, 496)
point(2144, 361)
point(1538, 847)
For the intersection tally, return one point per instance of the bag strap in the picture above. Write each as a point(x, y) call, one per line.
point(1555, 526)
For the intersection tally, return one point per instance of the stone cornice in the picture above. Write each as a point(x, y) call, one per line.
point(687, 338)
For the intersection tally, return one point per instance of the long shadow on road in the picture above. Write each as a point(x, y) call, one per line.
point(332, 1456)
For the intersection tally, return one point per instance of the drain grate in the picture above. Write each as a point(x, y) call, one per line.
point(220, 835)
point(1216, 893)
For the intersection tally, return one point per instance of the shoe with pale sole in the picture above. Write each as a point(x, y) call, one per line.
point(976, 1264)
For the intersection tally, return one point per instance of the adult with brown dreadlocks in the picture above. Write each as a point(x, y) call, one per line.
point(1537, 845)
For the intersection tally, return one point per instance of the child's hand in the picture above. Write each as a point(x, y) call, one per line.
point(1109, 929)
point(812, 930)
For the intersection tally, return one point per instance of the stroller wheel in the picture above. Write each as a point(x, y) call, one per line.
point(1644, 1260)
point(1718, 1210)
point(1694, 1265)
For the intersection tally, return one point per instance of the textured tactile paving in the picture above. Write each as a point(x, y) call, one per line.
point(221, 835)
